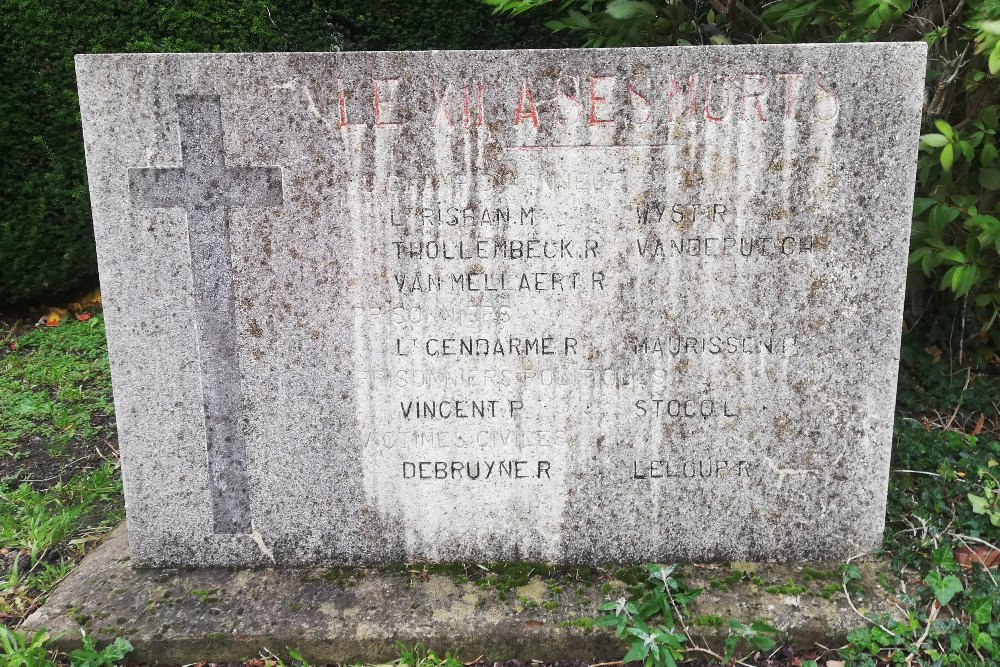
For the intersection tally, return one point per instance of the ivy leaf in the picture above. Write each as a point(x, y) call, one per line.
point(944, 588)
point(979, 504)
point(118, 650)
point(980, 609)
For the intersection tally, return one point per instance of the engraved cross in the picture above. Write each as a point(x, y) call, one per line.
point(205, 187)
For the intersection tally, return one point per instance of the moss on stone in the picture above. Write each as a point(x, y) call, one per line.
point(708, 621)
point(584, 623)
point(787, 588)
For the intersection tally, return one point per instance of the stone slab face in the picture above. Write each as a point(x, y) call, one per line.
point(573, 306)
point(361, 615)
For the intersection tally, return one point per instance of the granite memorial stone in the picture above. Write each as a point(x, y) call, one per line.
point(573, 306)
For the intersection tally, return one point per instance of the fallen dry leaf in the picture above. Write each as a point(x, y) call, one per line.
point(83, 317)
point(834, 663)
point(979, 425)
point(969, 556)
point(92, 300)
point(55, 317)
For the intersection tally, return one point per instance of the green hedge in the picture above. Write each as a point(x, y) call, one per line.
point(46, 238)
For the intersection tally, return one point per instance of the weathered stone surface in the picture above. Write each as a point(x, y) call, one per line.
point(352, 615)
point(652, 296)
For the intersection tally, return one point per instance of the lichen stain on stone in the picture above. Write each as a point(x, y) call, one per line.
point(534, 590)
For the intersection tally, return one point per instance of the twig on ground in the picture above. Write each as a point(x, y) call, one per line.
point(935, 608)
point(706, 651)
point(968, 378)
point(847, 594)
point(680, 617)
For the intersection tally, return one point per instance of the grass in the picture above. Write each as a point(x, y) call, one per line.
point(55, 386)
point(59, 484)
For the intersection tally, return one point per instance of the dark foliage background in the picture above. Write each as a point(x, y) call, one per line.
point(46, 238)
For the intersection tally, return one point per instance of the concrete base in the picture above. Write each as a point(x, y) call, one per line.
point(359, 615)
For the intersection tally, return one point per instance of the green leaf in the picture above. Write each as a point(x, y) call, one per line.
point(991, 27)
point(994, 61)
point(637, 652)
point(730, 648)
point(980, 609)
point(629, 9)
point(955, 275)
point(921, 204)
point(575, 19)
point(760, 626)
point(990, 179)
point(118, 650)
point(984, 223)
point(762, 642)
point(800, 12)
point(933, 140)
point(859, 637)
point(988, 155)
point(948, 157)
point(954, 255)
point(919, 254)
point(941, 215)
point(944, 128)
point(966, 149)
point(981, 640)
point(980, 505)
point(944, 588)
point(969, 277)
